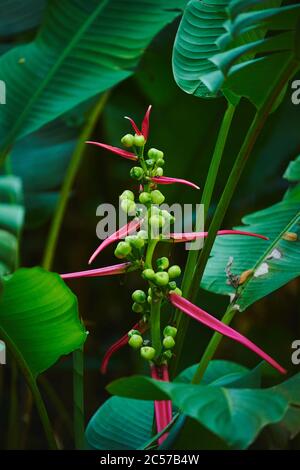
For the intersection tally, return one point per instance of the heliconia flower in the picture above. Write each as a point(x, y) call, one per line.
point(106, 271)
point(203, 317)
point(123, 153)
point(169, 180)
point(191, 236)
point(145, 124)
point(127, 229)
point(162, 408)
point(123, 341)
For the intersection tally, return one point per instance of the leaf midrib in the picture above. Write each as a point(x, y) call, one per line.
point(11, 136)
point(266, 252)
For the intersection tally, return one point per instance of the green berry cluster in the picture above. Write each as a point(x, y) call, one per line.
point(136, 248)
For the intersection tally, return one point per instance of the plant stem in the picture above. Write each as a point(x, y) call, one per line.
point(257, 125)
point(150, 250)
point(69, 181)
point(78, 398)
point(182, 321)
point(31, 382)
point(212, 347)
point(155, 323)
point(13, 420)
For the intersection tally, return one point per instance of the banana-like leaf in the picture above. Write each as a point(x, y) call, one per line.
point(18, 16)
point(221, 45)
point(247, 270)
point(82, 49)
point(39, 319)
point(11, 222)
point(237, 415)
point(105, 430)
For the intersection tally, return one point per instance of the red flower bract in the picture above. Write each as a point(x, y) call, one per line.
point(203, 317)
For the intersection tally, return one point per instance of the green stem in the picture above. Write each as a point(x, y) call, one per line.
point(78, 398)
point(254, 131)
point(182, 321)
point(13, 420)
point(155, 324)
point(69, 181)
point(212, 347)
point(149, 255)
point(31, 381)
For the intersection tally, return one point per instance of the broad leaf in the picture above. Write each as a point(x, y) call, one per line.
point(221, 45)
point(196, 42)
point(235, 415)
point(120, 424)
point(82, 49)
point(11, 221)
point(255, 268)
point(18, 16)
point(39, 319)
point(225, 374)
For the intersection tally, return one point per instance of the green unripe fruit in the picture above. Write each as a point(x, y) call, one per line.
point(136, 341)
point(162, 263)
point(161, 279)
point(145, 198)
point(176, 291)
point(127, 140)
point(136, 172)
point(170, 331)
point(148, 274)
point(149, 299)
point(160, 162)
point(137, 242)
point(127, 194)
point(155, 154)
point(159, 171)
point(133, 332)
point(165, 214)
point(149, 162)
point(168, 355)
point(142, 234)
point(149, 291)
point(128, 206)
point(139, 296)
point(157, 221)
point(137, 308)
point(172, 285)
point(148, 353)
point(122, 250)
point(168, 342)
point(174, 271)
point(139, 140)
point(157, 197)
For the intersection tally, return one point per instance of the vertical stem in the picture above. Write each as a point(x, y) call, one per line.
point(182, 320)
point(78, 398)
point(13, 419)
point(257, 125)
point(155, 324)
point(69, 181)
point(212, 347)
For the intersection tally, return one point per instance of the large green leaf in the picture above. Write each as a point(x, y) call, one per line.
point(213, 55)
point(236, 415)
point(82, 49)
point(11, 221)
point(256, 268)
point(225, 374)
point(120, 424)
point(196, 42)
point(105, 429)
point(39, 319)
point(18, 16)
